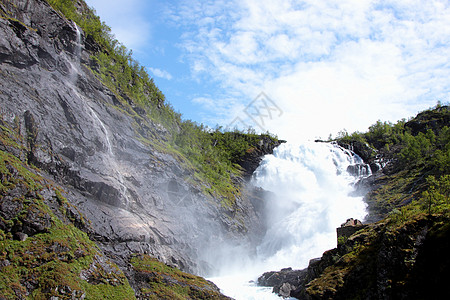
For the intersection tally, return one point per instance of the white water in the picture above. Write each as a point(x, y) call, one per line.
point(75, 64)
point(312, 187)
point(110, 160)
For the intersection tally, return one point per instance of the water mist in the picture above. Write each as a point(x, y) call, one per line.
point(312, 197)
point(109, 157)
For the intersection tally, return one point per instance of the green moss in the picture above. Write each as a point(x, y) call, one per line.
point(213, 155)
point(9, 138)
point(166, 282)
point(396, 190)
point(49, 263)
point(148, 264)
point(106, 291)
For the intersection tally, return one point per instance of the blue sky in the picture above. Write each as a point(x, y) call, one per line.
point(300, 69)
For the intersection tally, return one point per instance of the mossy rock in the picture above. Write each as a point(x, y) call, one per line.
point(40, 255)
point(160, 281)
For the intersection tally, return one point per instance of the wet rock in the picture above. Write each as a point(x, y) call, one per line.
point(349, 227)
point(363, 150)
point(254, 156)
point(284, 281)
point(359, 170)
point(133, 196)
point(36, 221)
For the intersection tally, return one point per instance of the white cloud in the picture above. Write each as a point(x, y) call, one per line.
point(126, 19)
point(329, 64)
point(161, 73)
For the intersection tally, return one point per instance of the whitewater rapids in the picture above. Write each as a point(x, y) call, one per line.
point(313, 196)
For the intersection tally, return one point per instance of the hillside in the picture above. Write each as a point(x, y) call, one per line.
point(402, 250)
point(105, 191)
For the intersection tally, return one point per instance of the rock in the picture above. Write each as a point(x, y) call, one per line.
point(254, 155)
point(101, 265)
point(142, 271)
point(21, 236)
point(136, 196)
point(36, 221)
point(349, 227)
point(430, 119)
point(284, 281)
point(285, 290)
point(359, 170)
point(4, 263)
point(363, 150)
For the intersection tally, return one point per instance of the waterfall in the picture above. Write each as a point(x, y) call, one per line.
point(312, 185)
point(75, 63)
point(77, 51)
point(111, 159)
point(102, 129)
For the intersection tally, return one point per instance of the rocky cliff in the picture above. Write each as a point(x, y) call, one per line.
point(381, 261)
point(401, 251)
point(103, 154)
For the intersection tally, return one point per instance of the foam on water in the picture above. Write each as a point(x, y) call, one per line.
point(312, 198)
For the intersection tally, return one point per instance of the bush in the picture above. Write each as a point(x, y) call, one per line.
point(436, 199)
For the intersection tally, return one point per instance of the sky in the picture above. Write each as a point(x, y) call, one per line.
point(299, 69)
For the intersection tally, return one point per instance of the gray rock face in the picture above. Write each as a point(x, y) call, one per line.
point(137, 197)
point(284, 281)
point(252, 159)
point(349, 227)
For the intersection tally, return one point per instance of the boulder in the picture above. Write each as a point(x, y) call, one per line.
point(349, 227)
point(284, 281)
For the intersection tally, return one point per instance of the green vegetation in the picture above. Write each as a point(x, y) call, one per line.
point(42, 257)
point(436, 199)
point(419, 154)
point(399, 255)
point(216, 156)
point(164, 282)
point(212, 155)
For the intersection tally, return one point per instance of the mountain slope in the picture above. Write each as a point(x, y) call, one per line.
point(78, 112)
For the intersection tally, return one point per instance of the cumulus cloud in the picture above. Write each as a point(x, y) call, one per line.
point(161, 73)
point(126, 19)
point(329, 65)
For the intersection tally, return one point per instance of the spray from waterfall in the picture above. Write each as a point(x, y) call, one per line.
point(312, 184)
point(111, 159)
point(313, 197)
point(75, 62)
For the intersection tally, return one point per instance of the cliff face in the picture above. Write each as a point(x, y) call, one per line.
point(384, 262)
point(108, 159)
